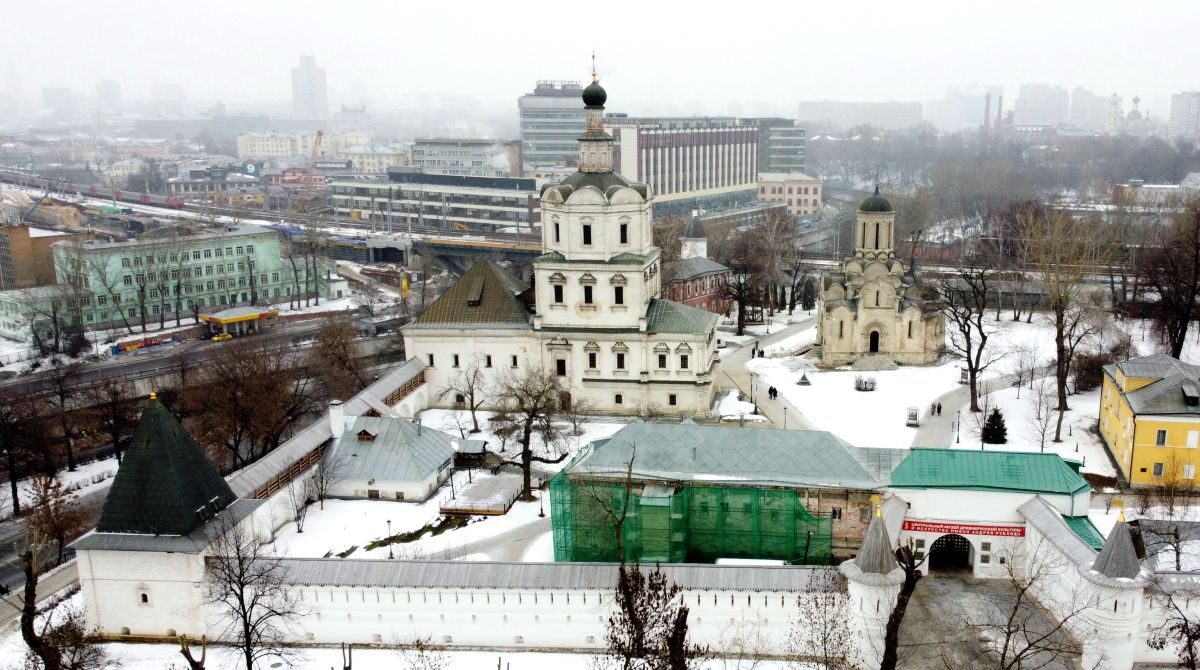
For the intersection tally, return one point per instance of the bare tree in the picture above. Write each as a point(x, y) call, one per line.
point(337, 359)
point(1019, 631)
point(248, 587)
point(532, 397)
point(469, 384)
point(422, 654)
point(821, 631)
point(61, 377)
point(57, 516)
point(301, 494)
point(1180, 627)
point(964, 297)
point(370, 299)
point(1039, 429)
point(1063, 251)
point(578, 414)
point(111, 405)
point(649, 628)
point(63, 641)
point(907, 558)
point(185, 650)
point(17, 436)
point(1172, 270)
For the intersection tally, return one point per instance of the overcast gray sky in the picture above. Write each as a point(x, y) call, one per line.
point(695, 56)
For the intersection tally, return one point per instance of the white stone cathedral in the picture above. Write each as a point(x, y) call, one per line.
point(875, 307)
point(594, 314)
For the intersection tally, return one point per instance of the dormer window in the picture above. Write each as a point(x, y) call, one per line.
point(365, 435)
point(1191, 397)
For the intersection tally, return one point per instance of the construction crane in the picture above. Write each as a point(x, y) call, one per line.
point(310, 192)
point(44, 199)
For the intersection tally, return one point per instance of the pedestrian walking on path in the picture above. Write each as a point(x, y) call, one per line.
point(939, 409)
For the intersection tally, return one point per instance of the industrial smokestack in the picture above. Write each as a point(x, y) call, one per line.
point(987, 109)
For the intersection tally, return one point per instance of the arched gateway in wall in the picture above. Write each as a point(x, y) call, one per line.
point(950, 552)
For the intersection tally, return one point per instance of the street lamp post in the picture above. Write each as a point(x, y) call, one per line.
point(752, 386)
point(958, 427)
point(541, 512)
point(391, 556)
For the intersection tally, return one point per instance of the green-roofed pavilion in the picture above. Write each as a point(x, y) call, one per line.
point(165, 485)
point(1015, 471)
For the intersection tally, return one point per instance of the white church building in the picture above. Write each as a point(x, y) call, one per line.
point(594, 314)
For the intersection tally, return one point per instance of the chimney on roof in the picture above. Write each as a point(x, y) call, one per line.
point(337, 418)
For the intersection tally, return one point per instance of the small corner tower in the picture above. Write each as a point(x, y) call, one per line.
point(1116, 585)
point(139, 569)
point(873, 579)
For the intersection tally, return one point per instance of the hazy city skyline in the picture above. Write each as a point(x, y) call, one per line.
point(711, 59)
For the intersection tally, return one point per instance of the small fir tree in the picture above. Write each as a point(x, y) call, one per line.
point(994, 430)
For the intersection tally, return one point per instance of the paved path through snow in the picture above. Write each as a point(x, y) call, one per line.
point(780, 412)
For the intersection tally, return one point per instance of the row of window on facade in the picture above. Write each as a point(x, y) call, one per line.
point(593, 360)
point(586, 233)
point(174, 257)
point(778, 190)
point(188, 273)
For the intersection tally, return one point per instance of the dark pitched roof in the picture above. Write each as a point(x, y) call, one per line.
point(487, 294)
point(875, 555)
point(695, 229)
point(163, 481)
point(1118, 558)
point(684, 269)
point(664, 316)
point(1173, 380)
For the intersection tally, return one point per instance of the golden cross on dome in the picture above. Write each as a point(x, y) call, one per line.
point(594, 78)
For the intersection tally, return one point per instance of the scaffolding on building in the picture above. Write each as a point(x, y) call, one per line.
point(683, 522)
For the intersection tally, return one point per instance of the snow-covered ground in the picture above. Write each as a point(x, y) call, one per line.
point(831, 403)
point(86, 478)
point(521, 534)
point(729, 408)
point(1079, 442)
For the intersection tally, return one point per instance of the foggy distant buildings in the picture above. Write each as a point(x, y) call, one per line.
point(108, 97)
point(837, 114)
point(352, 119)
point(468, 157)
point(309, 96)
point(376, 158)
point(552, 119)
point(1041, 105)
point(59, 100)
point(965, 108)
point(1185, 115)
point(1097, 113)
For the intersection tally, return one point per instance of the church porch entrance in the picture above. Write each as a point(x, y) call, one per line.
point(874, 344)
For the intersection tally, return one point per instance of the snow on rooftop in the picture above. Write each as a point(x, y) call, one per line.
point(45, 232)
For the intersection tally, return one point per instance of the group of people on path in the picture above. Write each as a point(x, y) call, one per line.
point(773, 393)
point(935, 409)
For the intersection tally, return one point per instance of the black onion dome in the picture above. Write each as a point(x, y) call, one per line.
point(875, 203)
point(594, 95)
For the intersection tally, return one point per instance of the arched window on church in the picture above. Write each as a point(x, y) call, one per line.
point(841, 329)
point(910, 330)
point(877, 235)
point(877, 298)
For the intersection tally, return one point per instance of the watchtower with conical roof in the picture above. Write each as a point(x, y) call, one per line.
point(139, 570)
point(873, 579)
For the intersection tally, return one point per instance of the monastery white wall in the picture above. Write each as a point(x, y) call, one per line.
point(982, 506)
point(415, 491)
point(113, 583)
point(509, 619)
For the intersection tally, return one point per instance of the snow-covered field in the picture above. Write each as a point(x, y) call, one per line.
point(730, 408)
point(831, 403)
point(1079, 442)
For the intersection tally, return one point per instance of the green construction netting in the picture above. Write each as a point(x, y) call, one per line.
point(684, 523)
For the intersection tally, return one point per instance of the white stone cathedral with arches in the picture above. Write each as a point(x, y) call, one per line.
point(874, 307)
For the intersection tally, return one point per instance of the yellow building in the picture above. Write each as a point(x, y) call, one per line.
point(1150, 419)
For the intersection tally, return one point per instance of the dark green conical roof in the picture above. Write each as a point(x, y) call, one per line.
point(165, 485)
point(875, 203)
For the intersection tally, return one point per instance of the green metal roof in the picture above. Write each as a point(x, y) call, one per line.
point(1082, 526)
point(486, 295)
point(988, 471)
point(664, 316)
